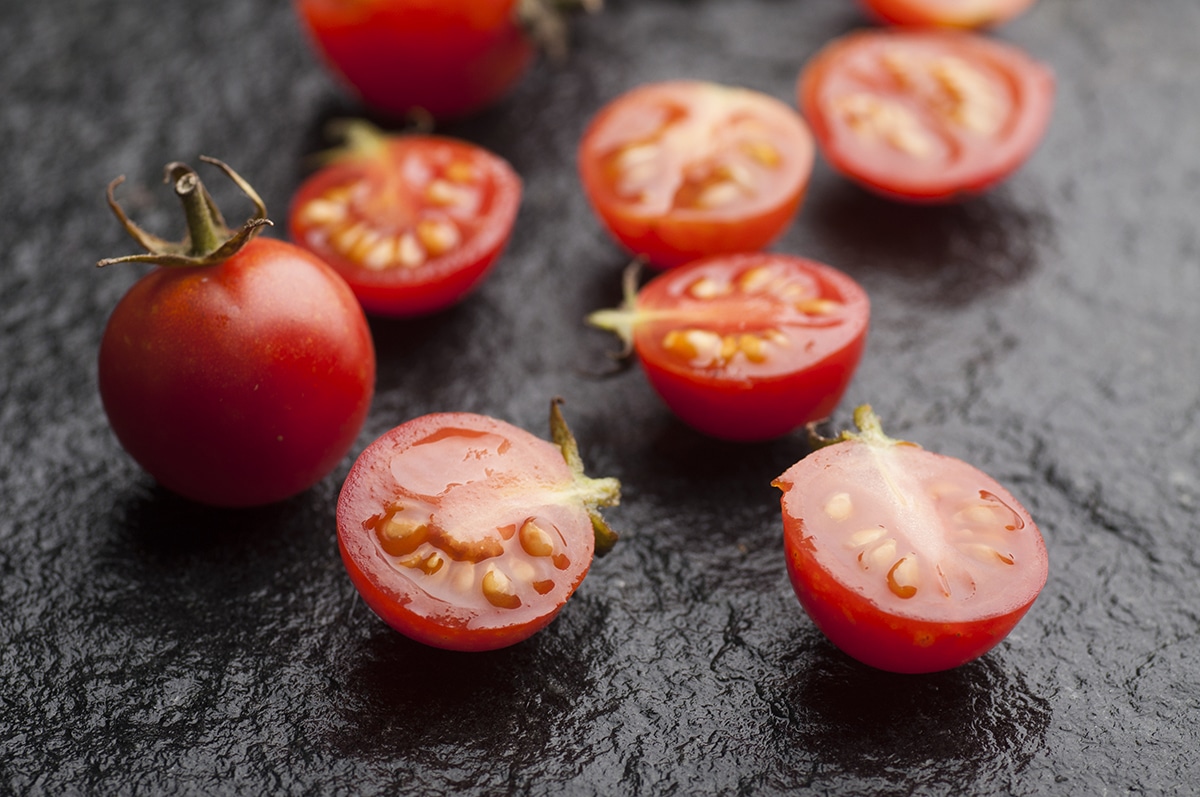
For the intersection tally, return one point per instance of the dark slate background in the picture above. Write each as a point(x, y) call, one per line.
point(1048, 333)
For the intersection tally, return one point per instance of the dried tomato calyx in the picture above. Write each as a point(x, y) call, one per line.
point(594, 493)
point(544, 21)
point(209, 240)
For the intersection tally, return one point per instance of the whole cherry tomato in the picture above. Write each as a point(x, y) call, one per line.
point(947, 13)
point(465, 532)
point(683, 169)
point(412, 222)
point(907, 560)
point(925, 115)
point(240, 370)
point(448, 58)
point(745, 347)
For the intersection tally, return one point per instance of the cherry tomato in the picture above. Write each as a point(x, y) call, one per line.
point(449, 58)
point(925, 115)
point(412, 222)
point(907, 560)
point(465, 532)
point(947, 13)
point(238, 375)
point(683, 169)
point(745, 347)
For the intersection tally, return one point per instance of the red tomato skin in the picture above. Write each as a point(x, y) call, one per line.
point(878, 640)
point(242, 383)
point(371, 485)
point(668, 240)
point(443, 281)
point(883, 637)
point(762, 408)
point(946, 13)
point(451, 58)
point(990, 162)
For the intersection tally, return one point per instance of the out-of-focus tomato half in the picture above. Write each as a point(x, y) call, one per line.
point(925, 115)
point(683, 169)
point(412, 222)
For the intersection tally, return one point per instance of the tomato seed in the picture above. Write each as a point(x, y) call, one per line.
point(839, 506)
point(498, 590)
point(535, 540)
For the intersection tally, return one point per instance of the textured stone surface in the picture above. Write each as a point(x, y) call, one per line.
point(1048, 333)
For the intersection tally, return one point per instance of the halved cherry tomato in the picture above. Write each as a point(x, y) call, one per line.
point(907, 560)
point(467, 533)
point(448, 57)
point(745, 347)
point(683, 169)
point(947, 13)
point(241, 370)
point(413, 222)
point(925, 115)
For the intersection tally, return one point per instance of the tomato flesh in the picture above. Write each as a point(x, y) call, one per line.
point(947, 13)
point(449, 58)
point(908, 560)
point(683, 169)
point(241, 383)
point(413, 223)
point(465, 532)
point(747, 347)
point(925, 115)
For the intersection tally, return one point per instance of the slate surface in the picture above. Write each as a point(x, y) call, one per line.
point(1048, 333)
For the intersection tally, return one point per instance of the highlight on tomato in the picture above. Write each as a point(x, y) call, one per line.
point(448, 58)
point(683, 169)
point(465, 532)
point(907, 560)
point(745, 347)
point(925, 115)
point(947, 13)
point(240, 370)
point(412, 222)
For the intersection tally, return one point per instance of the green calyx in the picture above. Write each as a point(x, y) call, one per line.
point(622, 320)
point(870, 431)
point(595, 493)
point(209, 240)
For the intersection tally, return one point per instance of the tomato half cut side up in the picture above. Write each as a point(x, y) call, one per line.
point(467, 533)
point(907, 560)
point(683, 169)
point(947, 13)
point(745, 347)
point(925, 115)
point(412, 222)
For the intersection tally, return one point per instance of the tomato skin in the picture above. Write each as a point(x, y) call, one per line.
point(388, 182)
point(735, 138)
point(450, 58)
point(466, 478)
point(947, 13)
point(889, 110)
point(241, 383)
point(788, 367)
point(859, 608)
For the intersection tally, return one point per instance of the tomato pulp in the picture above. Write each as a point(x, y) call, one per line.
point(449, 58)
point(925, 115)
point(683, 169)
point(749, 346)
point(465, 532)
point(412, 222)
point(907, 560)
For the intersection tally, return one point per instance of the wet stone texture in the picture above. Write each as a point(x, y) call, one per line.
point(1048, 333)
